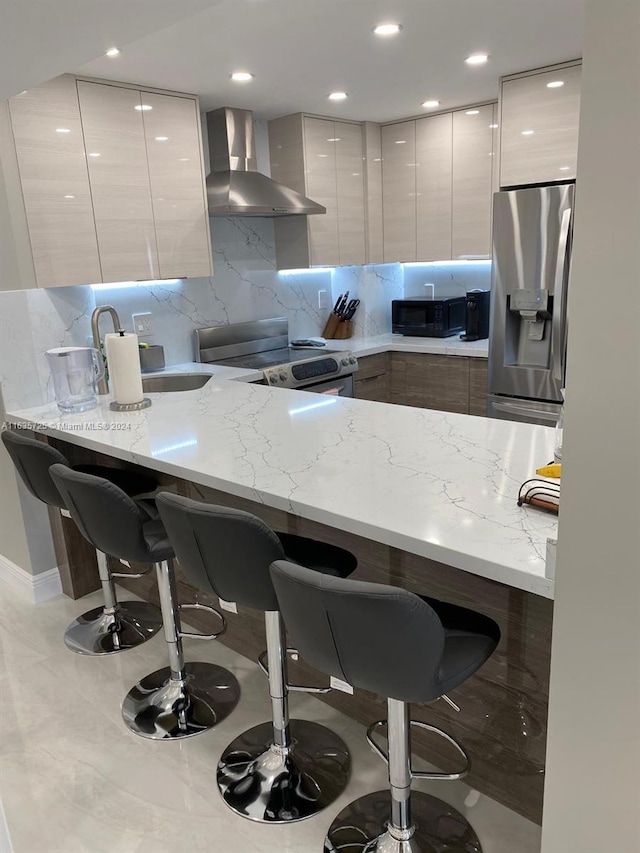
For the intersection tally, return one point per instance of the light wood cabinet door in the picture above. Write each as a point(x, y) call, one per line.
point(539, 127)
point(177, 185)
point(433, 187)
point(350, 192)
point(320, 175)
point(119, 177)
point(399, 191)
point(55, 184)
point(472, 175)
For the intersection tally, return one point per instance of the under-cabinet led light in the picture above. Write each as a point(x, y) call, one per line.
point(120, 285)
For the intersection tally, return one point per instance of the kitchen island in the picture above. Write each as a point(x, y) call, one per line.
point(425, 499)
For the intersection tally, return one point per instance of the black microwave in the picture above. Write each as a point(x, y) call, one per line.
point(429, 318)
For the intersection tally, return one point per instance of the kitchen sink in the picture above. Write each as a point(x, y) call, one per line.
point(175, 382)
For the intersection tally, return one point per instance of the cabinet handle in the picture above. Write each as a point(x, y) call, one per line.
point(370, 378)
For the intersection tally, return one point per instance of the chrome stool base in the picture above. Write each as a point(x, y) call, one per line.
point(362, 827)
point(100, 633)
point(266, 783)
point(160, 708)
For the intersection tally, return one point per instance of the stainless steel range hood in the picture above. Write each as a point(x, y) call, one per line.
point(234, 187)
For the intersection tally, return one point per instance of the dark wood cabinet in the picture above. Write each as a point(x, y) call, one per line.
point(447, 383)
point(478, 384)
point(430, 381)
point(373, 379)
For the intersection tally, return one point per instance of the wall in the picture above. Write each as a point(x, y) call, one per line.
point(245, 286)
point(592, 792)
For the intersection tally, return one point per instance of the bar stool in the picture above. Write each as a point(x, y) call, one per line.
point(118, 625)
point(409, 649)
point(284, 770)
point(180, 700)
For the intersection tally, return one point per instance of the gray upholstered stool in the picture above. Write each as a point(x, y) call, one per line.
point(284, 770)
point(118, 625)
point(408, 649)
point(182, 699)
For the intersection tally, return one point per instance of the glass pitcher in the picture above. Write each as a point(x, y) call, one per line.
point(75, 372)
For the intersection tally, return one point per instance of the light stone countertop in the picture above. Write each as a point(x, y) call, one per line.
point(237, 374)
point(440, 485)
point(401, 343)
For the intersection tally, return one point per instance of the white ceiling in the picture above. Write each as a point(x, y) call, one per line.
point(300, 50)
point(40, 39)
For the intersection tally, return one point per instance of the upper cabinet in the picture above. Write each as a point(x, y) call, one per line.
point(112, 182)
point(433, 188)
point(437, 186)
point(472, 197)
point(47, 134)
point(324, 160)
point(178, 195)
point(399, 191)
point(539, 126)
point(119, 176)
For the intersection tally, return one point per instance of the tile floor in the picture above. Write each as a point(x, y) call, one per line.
point(73, 779)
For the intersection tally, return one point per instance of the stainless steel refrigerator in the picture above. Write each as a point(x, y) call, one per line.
point(532, 231)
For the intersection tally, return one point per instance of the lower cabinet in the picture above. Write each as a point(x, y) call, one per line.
point(430, 381)
point(446, 383)
point(373, 378)
point(478, 386)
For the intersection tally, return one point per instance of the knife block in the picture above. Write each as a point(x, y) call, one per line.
point(337, 329)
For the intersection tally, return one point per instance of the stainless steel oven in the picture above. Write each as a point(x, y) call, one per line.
point(264, 345)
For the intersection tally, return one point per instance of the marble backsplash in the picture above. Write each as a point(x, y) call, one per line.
point(245, 286)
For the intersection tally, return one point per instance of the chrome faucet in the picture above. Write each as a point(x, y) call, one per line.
point(103, 384)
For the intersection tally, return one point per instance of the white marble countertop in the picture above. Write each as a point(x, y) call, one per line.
point(402, 343)
point(440, 485)
point(237, 374)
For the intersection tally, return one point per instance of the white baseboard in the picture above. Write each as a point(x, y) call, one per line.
point(39, 588)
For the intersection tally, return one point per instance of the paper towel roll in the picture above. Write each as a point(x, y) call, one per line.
point(123, 362)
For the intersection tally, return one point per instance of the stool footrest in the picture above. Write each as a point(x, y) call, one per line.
point(196, 635)
point(132, 575)
point(294, 688)
point(419, 774)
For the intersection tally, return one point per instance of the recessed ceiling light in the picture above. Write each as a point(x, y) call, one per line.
point(69, 196)
point(430, 105)
point(113, 51)
point(528, 132)
point(400, 141)
point(555, 84)
point(387, 29)
point(564, 168)
point(242, 76)
point(323, 155)
point(63, 130)
point(161, 138)
point(472, 112)
point(94, 154)
point(493, 126)
point(337, 96)
point(333, 139)
point(477, 59)
point(143, 107)
point(183, 159)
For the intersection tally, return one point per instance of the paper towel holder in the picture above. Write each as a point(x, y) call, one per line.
point(130, 407)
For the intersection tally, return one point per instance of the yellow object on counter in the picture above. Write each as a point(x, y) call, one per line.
point(553, 470)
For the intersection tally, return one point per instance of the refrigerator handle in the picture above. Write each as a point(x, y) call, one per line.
point(526, 411)
point(559, 324)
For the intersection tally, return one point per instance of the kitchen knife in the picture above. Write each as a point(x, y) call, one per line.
point(337, 305)
point(343, 304)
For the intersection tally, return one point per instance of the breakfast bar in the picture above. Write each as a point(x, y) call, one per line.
point(426, 500)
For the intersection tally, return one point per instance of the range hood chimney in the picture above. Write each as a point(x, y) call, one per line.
point(234, 187)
